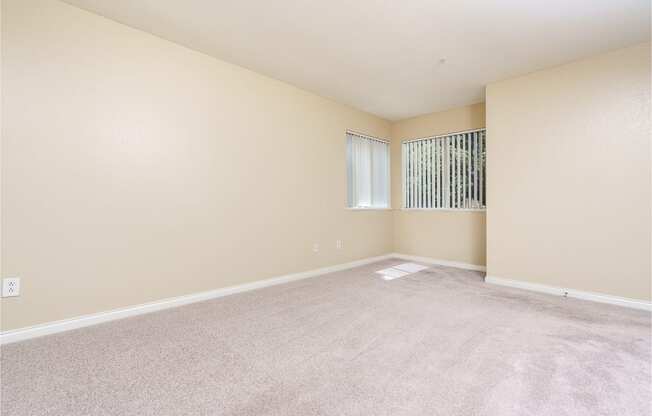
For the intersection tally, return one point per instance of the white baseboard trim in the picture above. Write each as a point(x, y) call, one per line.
point(571, 293)
point(457, 264)
point(112, 315)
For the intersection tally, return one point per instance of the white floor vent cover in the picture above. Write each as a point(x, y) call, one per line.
point(401, 270)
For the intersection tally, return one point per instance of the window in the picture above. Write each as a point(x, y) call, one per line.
point(445, 172)
point(367, 171)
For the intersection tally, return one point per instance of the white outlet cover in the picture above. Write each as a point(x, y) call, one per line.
point(10, 287)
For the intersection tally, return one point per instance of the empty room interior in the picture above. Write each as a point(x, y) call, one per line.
point(427, 207)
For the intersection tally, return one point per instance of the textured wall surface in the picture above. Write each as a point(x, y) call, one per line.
point(569, 175)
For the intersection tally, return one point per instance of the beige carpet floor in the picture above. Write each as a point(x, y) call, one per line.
point(439, 342)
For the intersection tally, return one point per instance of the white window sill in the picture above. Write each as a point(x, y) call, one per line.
point(447, 209)
point(368, 209)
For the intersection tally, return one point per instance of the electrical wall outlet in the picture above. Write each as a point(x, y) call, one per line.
point(315, 248)
point(339, 244)
point(10, 287)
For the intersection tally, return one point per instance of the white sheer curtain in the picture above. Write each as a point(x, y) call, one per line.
point(368, 172)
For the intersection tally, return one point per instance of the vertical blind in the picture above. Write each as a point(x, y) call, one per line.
point(367, 171)
point(445, 171)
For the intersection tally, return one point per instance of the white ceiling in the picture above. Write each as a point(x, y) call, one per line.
point(384, 56)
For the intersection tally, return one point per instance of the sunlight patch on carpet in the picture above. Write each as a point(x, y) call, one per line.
point(400, 270)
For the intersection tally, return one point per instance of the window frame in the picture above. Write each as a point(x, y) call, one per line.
point(388, 143)
point(440, 136)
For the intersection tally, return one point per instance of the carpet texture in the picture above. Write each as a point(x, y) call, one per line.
point(437, 342)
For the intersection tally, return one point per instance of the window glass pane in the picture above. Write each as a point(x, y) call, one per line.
point(445, 171)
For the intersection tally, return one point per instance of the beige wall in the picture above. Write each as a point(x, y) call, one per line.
point(444, 235)
point(136, 169)
point(568, 155)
